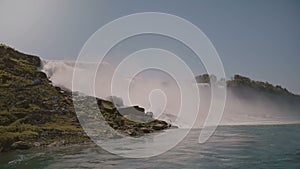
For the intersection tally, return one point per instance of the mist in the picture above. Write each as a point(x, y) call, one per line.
point(159, 93)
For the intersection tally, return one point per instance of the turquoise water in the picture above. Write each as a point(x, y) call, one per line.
point(242, 147)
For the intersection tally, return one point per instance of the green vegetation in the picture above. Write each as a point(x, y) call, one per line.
point(135, 123)
point(239, 81)
point(209, 79)
point(206, 78)
point(31, 109)
point(34, 113)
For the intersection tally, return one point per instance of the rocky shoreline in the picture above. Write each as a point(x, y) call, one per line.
point(34, 113)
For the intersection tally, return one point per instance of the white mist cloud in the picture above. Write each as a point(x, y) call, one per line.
point(162, 94)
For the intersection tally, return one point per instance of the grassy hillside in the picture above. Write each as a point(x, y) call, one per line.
point(34, 113)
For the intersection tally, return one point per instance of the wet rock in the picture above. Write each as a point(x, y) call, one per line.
point(21, 145)
point(132, 132)
point(146, 130)
point(138, 108)
point(159, 127)
point(133, 111)
point(173, 127)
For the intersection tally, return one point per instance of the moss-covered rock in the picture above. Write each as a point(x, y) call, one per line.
point(34, 111)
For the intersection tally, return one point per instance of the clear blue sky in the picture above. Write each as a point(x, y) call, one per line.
point(257, 38)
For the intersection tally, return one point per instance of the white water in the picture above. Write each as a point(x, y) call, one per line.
point(237, 111)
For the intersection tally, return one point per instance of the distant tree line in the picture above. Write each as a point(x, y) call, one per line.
point(209, 79)
point(242, 81)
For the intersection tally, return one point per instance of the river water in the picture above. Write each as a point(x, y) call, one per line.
point(241, 147)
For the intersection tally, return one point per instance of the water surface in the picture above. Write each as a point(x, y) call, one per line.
point(243, 147)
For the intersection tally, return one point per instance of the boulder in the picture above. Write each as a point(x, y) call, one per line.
point(21, 145)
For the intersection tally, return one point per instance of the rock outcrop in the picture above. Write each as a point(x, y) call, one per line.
point(32, 110)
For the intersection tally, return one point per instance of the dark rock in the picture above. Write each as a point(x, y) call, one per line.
point(132, 132)
point(21, 145)
point(159, 127)
point(42, 75)
point(173, 127)
point(135, 110)
point(146, 130)
point(139, 108)
point(57, 88)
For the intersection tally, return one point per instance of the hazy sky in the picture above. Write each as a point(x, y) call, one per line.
point(257, 38)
